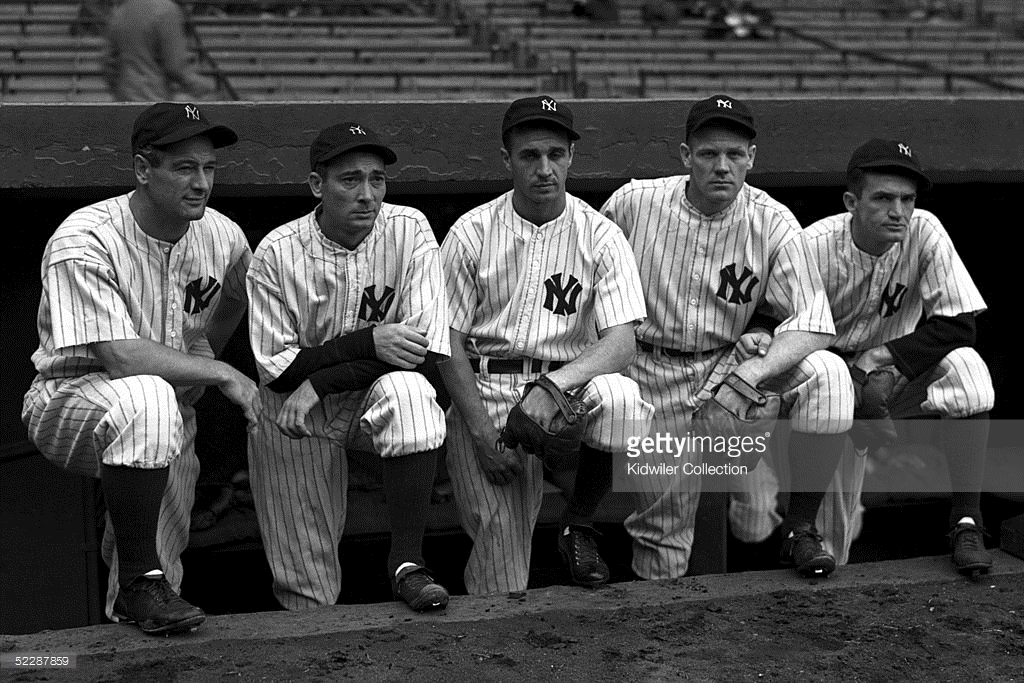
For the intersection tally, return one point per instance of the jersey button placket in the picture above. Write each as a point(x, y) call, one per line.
point(533, 284)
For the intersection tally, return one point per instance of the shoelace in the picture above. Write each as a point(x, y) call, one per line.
point(161, 590)
point(973, 538)
point(584, 545)
point(416, 580)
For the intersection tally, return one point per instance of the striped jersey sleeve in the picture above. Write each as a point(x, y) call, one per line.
point(272, 327)
point(795, 293)
point(947, 288)
point(83, 290)
point(619, 297)
point(459, 263)
point(422, 299)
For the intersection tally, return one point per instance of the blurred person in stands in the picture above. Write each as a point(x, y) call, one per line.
point(658, 12)
point(92, 17)
point(147, 53)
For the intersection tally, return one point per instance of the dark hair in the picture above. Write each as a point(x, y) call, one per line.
point(856, 178)
point(154, 155)
point(506, 137)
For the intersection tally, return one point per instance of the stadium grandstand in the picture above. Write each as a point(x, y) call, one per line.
point(52, 51)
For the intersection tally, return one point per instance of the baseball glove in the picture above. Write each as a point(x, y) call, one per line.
point(737, 409)
point(872, 428)
point(559, 448)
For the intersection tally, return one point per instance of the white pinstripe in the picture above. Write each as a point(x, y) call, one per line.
point(496, 266)
point(937, 283)
point(103, 280)
point(684, 258)
point(304, 290)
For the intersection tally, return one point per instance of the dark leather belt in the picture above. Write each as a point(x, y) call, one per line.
point(516, 366)
point(673, 353)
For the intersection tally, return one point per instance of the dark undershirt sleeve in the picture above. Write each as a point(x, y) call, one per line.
point(355, 346)
point(360, 374)
point(761, 320)
point(922, 349)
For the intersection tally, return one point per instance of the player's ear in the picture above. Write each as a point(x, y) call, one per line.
point(316, 184)
point(751, 153)
point(684, 154)
point(850, 201)
point(506, 159)
point(142, 168)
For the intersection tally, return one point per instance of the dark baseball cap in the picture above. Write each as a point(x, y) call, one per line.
point(165, 123)
point(345, 137)
point(878, 154)
point(720, 107)
point(539, 108)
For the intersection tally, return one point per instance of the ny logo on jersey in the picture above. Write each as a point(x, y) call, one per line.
point(730, 288)
point(724, 104)
point(372, 309)
point(561, 300)
point(548, 105)
point(904, 149)
point(191, 112)
point(892, 300)
point(356, 130)
point(198, 295)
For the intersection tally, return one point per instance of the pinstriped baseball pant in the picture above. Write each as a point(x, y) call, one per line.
point(959, 386)
point(500, 519)
point(79, 424)
point(300, 486)
point(817, 397)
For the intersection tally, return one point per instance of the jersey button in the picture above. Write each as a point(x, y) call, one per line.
point(695, 276)
point(693, 301)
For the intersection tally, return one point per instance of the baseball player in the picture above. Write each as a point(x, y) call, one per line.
point(539, 284)
point(713, 251)
point(140, 293)
point(886, 265)
point(347, 322)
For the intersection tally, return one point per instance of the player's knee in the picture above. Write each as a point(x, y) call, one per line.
point(829, 376)
point(143, 426)
point(619, 395)
point(402, 385)
point(965, 388)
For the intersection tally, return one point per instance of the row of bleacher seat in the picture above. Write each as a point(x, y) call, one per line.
point(516, 47)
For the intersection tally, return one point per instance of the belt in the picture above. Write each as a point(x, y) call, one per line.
point(517, 366)
point(674, 353)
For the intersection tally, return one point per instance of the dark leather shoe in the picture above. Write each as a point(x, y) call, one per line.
point(578, 546)
point(154, 607)
point(801, 548)
point(416, 586)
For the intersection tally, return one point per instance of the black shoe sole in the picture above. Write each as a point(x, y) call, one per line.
point(183, 626)
point(576, 582)
point(430, 600)
point(817, 568)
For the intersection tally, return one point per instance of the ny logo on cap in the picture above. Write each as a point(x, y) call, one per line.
point(904, 149)
point(191, 112)
point(356, 130)
point(549, 105)
point(724, 104)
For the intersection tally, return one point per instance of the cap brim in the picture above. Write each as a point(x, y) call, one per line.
point(386, 152)
point(220, 136)
point(573, 135)
point(924, 182)
point(733, 121)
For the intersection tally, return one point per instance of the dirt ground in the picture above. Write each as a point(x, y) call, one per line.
point(949, 630)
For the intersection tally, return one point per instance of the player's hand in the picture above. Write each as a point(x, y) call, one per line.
point(501, 467)
point(292, 418)
point(400, 345)
point(753, 344)
point(541, 408)
point(244, 393)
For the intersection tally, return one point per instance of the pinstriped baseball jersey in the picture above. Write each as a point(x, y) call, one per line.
point(537, 288)
point(704, 276)
point(311, 289)
point(876, 299)
point(113, 281)
point(104, 279)
point(304, 290)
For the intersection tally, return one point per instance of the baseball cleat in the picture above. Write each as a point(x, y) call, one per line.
point(801, 548)
point(151, 604)
point(417, 588)
point(578, 546)
point(967, 544)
